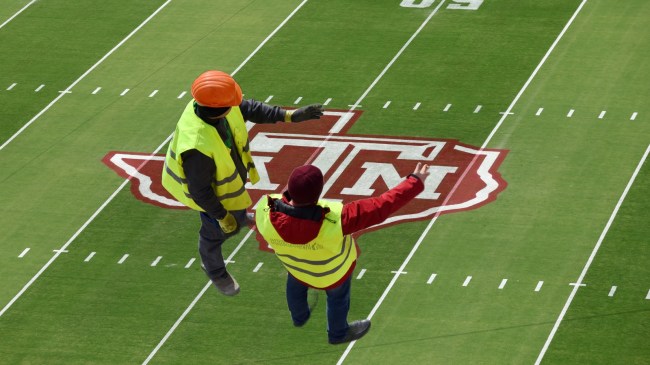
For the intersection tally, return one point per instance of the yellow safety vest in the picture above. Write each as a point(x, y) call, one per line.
point(193, 133)
point(321, 262)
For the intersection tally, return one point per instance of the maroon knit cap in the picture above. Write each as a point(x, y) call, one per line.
point(305, 185)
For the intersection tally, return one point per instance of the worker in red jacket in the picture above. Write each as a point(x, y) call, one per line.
point(312, 238)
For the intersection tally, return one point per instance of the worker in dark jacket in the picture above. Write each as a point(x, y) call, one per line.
point(312, 238)
point(209, 159)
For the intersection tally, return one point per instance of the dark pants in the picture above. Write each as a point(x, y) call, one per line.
point(211, 237)
point(338, 306)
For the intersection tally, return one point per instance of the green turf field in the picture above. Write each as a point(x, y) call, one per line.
point(552, 269)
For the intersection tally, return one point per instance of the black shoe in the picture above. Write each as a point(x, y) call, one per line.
point(357, 330)
point(226, 285)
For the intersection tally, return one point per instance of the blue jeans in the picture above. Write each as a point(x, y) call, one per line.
point(211, 237)
point(338, 306)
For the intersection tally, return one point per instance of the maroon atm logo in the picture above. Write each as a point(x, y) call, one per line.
point(462, 176)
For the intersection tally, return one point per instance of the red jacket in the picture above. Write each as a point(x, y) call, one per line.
point(302, 227)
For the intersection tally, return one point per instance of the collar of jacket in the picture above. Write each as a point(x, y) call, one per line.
point(313, 212)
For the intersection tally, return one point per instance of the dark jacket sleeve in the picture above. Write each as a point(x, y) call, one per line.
point(258, 112)
point(200, 172)
point(363, 213)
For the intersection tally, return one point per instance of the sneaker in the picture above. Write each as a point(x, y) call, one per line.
point(357, 330)
point(227, 286)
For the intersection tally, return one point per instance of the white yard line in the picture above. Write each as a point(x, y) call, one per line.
point(16, 13)
point(196, 299)
point(591, 258)
point(467, 280)
point(462, 178)
point(76, 234)
point(22, 254)
point(258, 267)
point(110, 198)
point(355, 105)
point(229, 259)
point(67, 90)
point(612, 290)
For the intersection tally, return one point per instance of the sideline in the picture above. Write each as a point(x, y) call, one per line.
point(453, 190)
point(16, 14)
point(578, 283)
point(67, 90)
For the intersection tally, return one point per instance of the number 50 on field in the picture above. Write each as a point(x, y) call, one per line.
point(455, 4)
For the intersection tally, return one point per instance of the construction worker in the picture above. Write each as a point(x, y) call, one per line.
point(208, 162)
point(312, 238)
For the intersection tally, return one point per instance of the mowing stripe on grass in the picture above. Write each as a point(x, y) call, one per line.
point(591, 258)
point(126, 181)
point(67, 90)
point(196, 299)
point(230, 258)
point(16, 13)
point(462, 178)
point(77, 233)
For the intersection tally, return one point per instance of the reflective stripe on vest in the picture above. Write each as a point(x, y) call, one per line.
point(321, 262)
point(193, 133)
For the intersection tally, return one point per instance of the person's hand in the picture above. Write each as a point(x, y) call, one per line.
point(421, 171)
point(313, 111)
point(228, 224)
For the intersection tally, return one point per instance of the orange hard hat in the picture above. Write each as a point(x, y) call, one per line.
point(216, 89)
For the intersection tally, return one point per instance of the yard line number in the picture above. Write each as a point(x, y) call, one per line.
point(456, 4)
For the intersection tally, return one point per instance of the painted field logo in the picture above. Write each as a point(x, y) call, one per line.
point(354, 166)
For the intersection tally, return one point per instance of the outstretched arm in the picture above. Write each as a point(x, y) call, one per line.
point(364, 213)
